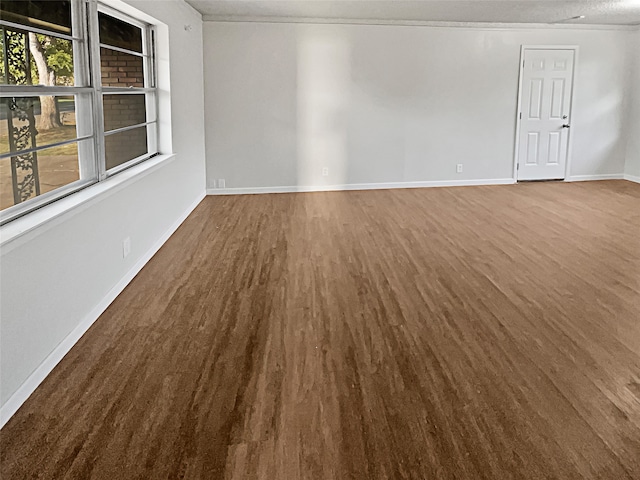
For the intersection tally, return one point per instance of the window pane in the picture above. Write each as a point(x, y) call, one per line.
point(30, 122)
point(123, 110)
point(26, 176)
point(124, 146)
point(50, 15)
point(120, 34)
point(121, 69)
point(35, 59)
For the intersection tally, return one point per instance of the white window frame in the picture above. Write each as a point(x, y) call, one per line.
point(150, 89)
point(89, 89)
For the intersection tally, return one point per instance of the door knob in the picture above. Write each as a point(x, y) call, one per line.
point(566, 125)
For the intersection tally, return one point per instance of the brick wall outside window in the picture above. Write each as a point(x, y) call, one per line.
point(123, 70)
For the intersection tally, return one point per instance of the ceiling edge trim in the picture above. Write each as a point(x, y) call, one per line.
point(416, 23)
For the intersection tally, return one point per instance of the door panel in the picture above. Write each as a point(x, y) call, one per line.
point(533, 141)
point(557, 96)
point(535, 99)
point(553, 158)
point(547, 78)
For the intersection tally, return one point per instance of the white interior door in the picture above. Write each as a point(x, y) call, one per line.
point(545, 109)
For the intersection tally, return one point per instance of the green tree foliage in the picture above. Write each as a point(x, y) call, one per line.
point(58, 54)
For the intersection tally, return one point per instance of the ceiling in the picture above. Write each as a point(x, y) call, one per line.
point(603, 12)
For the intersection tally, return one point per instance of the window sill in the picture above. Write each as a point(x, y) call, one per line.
point(50, 215)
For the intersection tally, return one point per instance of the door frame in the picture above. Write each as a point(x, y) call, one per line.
point(523, 48)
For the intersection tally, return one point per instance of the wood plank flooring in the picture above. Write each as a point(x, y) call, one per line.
point(445, 333)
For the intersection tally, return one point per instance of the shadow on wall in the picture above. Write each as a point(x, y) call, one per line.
point(607, 147)
point(368, 111)
point(598, 154)
point(364, 105)
point(354, 108)
point(322, 102)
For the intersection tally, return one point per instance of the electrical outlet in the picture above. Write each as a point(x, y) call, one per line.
point(126, 247)
point(459, 168)
point(221, 183)
point(325, 172)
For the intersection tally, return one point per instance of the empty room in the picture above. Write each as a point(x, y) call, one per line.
point(320, 239)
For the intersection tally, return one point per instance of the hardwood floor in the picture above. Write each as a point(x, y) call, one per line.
point(467, 333)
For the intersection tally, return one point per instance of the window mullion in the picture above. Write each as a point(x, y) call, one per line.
point(122, 50)
point(31, 28)
point(127, 128)
point(47, 146)
point(84, 102)
point(126, 90)
point(39, 90)
point(149, 81)
point(96, 81)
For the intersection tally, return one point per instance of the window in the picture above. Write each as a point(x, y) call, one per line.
point(77, 99)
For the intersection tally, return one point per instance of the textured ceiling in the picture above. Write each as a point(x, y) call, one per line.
point(611, 12)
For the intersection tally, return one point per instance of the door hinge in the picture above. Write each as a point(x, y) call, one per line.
point(517, 166)
point(520, 115)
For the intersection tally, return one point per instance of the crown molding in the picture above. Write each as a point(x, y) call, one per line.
point(413, 23)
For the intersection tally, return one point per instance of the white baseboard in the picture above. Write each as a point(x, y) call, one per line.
point(357, 186)
point(587, 178)
point(631, 178)
point(31, 383)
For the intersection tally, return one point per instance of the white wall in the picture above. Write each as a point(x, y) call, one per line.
point(632, 167)
point(56, 276)
point(379, 104)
